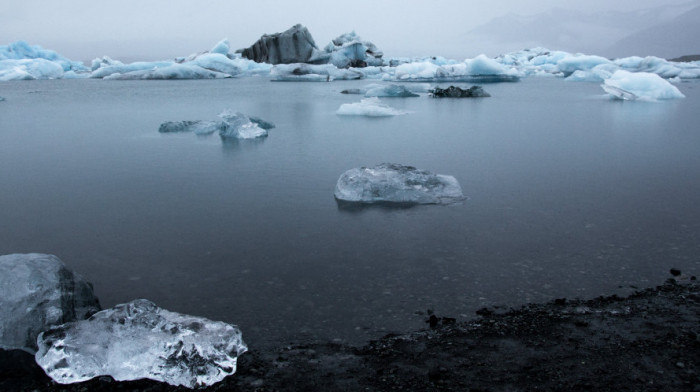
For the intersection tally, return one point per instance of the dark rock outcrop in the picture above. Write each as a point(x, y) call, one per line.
point(295, 45)
point(456, 92)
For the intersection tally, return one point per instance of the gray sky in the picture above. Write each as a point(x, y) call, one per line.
point(163, 29)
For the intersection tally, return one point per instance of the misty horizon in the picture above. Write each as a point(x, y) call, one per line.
point(85, 31)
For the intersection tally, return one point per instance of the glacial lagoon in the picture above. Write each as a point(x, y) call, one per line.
point(569, 194)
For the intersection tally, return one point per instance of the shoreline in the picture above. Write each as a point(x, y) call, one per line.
point(647, 341)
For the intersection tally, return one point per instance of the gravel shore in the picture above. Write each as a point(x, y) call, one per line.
point(648, 341)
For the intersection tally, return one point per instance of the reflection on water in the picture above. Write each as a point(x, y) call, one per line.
point(568, 197)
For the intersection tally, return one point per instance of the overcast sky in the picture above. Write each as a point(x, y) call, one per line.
point(163, 29)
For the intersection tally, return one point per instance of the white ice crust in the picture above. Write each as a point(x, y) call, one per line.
point(394, 183)
point(369, 107)
point(140, 340)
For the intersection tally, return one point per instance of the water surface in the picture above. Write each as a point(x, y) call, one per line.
point(570, 195)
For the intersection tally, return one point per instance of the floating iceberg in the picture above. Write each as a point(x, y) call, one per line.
point(198, 127)
point(21, 61)
point(480, 69)
point(295, 45)
point(640, 86)
point(239, 126)
point(37, 291)
point(215, 64)
point(369, 107)
point(349, 50)
point(393, 183)
point(140, 340)
point(232, 125)
point(389, 91)
point(456, 92)
point(312, 73)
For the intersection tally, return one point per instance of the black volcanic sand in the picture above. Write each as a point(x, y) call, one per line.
point(649, 341)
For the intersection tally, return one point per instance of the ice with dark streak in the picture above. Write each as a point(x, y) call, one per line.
point(37, 291)
point(140, 340)
point(395, 183)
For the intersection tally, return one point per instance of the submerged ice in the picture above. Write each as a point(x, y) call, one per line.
point(369, 107)
point(140, 340)
point(394, 183)
point(37, 291)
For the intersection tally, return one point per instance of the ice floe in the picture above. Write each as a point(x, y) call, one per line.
point(395, 183)
point(233, 125)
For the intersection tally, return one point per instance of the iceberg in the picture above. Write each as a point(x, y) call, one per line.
point(21, 61)
point(456, 92)
point(232, 125)
point(389, 91)
point(394, 183)
point(481, 69)
point(295, 45)
point(312, 73)
point(37, 291)
point(369, 107)
point(198, 127)
point(640, 86)
point(140, 340)
point(349, 50)
point(239, 126)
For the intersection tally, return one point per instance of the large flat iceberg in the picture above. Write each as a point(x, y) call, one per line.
point(479, 69)
point(140, 340)
point(37, 291)
point(640, 86)
point(369, 107)
point(394, 183)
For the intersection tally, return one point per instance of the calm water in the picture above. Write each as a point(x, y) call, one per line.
point(570, 195)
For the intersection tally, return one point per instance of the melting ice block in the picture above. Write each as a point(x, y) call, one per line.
point(394, 183)
point(640, 86)
point(239, 126)
point(37, 291)
point(140, 340)
point(370, 107)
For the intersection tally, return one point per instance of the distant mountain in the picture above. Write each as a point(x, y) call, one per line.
point(573, 31)
point(677, 37)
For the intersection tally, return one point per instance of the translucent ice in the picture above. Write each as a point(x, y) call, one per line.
point(198, 127)
point(140, 340)
point(640, 86)
point(389, 90)
point(38, 291)
point(393, 183)
point(239, 126)
point(370, 107)
point(312, 73)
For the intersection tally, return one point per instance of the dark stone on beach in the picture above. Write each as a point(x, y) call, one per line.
point(295, 45)
point(675, 272)
point(456, 92)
